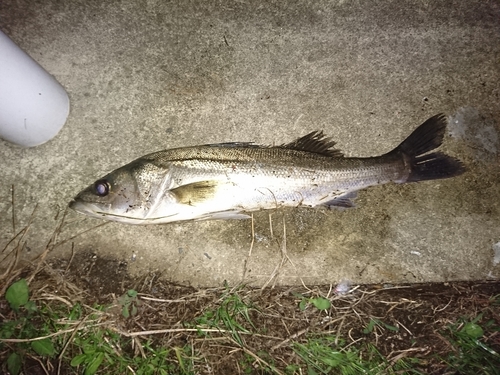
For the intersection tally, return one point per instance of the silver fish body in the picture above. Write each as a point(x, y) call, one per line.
point(227, 180)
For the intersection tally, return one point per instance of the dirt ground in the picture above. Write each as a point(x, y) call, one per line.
point(413, 318)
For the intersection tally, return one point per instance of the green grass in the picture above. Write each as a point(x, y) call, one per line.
point(231, 314)
point(89, 350)
point(471, 354)
point(331, 355)
point(91, 340)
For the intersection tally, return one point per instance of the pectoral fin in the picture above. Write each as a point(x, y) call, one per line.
point(342, 201)
point(196, 192)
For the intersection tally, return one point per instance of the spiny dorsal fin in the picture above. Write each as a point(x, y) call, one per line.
point(315, 142)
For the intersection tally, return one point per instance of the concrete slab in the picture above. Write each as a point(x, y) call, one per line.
point(149, 75)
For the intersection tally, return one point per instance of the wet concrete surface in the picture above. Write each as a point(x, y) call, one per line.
point(145, 76)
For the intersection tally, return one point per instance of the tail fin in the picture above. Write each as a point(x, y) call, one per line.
point(424, 165)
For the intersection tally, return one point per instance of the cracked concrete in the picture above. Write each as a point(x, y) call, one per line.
point(148, 75)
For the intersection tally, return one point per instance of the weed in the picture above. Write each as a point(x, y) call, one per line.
point(93, 352)
point(231, 314)
point(261, 361)
point(129, 303)
point(378, 323)
point(36, 331)
point(324, 355)
point(17, 294)
point(155, 361)
point(320, 303)
point(56, 332)
point(331, 355)
point(186, 359)
point(472, 354)
point(26, 326)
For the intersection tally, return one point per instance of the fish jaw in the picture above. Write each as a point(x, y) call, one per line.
point(88, 209)
point(96, 211)
point(140, 215)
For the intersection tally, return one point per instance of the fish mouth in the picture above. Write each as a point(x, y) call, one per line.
point(99, 212)
point(76, 206)
point(96, 211)
point(86, 208)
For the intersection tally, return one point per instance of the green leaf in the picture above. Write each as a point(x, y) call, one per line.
point(78, 360)
point(7, 329)
point(487, 348)
point(30, 306)
point(132, 293)
point(14, 364)
point(134, 310)
point(125, 312)
point(391, 328)
point(303, 305)
point(473, 330)
point(76, 312)
point(109, 359)
point(123, 300)
point(334, 359)
point(370, 327)
point(43, 347)
point(88, 348)
point(94, 364)
point(17, 294)
point(321, 303)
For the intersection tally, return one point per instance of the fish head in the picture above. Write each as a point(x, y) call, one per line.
point(129, 194)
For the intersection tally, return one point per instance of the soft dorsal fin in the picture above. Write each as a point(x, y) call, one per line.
point(315, 142)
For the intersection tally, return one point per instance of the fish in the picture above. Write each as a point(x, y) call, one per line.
point(232, 180)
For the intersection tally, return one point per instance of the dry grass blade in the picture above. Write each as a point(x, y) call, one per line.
point(13, 210)
point(58, 333)
point(260, 360)
point(284, 258)
point(10, 273)
point(245, 264)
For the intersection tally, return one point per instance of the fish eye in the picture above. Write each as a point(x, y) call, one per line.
point(101, 188)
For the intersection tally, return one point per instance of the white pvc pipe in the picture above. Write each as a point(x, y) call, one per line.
point(33, 105)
